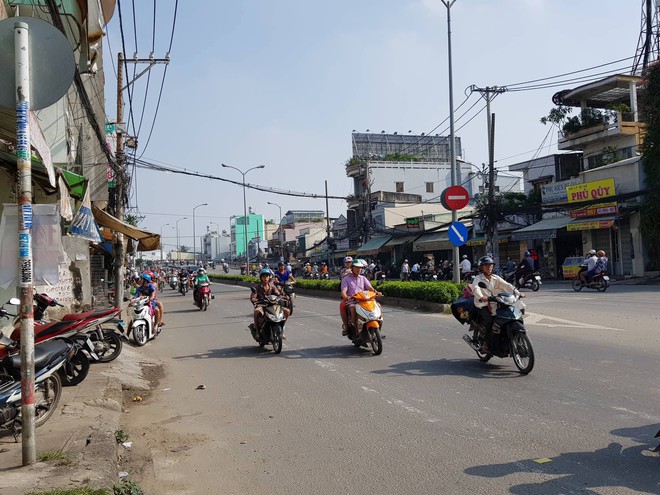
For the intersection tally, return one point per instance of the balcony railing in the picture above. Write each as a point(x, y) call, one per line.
point(608, 157)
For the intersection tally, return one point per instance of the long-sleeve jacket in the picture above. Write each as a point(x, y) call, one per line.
point(494, 286)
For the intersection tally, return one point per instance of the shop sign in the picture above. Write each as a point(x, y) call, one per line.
point(591, 191)
point(535, 234)
point(596, 211)
point(555, 192)
point(591, 225)
point(412, 223)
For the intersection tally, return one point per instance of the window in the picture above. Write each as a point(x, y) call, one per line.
point(429, 187)
point(399, 186)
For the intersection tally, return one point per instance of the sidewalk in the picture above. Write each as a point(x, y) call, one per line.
point(83, 426)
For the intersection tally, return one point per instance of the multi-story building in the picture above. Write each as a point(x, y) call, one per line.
point(602, 201)
point(244, 229)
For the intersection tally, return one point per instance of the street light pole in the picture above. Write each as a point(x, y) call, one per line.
point(455, 173)
point(194, 239)
point(279, 231)
point(161, 242)
point(245, 219)
point(178, 243)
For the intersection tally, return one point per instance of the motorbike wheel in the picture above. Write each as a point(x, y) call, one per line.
point(376, 341)
point(111, 346)
point(602, 285)
point(523, 353)
point(577, 284)
point(47, 396)
point(535, 285)
point(140, 336)
point(74, 370)
point(277, 343)
point(205, 303)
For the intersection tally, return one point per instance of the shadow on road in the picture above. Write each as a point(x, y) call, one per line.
point(233, 352)
point(458, 367)
point(580, 472)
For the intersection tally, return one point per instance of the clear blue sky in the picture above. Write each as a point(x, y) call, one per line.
point(283, 83)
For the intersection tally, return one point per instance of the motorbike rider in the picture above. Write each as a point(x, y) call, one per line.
point(347, 267)
point(199, 278)
point(494, 285)
point(149, 290)
point(324, 269)
point(264, 288)
point(525, 268)
point(590, 260)
point(283, 275)
point(601, 263)
point(350, 285)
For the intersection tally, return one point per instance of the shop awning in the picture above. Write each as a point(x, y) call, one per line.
point(433, 241)
point(76, 183)
point(373, 245)
point(147, 241)
point(398, 241)
point(545, 229)
point(591, 224)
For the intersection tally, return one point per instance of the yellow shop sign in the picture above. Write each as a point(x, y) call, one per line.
point(590, 191)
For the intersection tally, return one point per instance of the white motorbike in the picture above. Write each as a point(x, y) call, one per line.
point(174, 282)
point(143, 327)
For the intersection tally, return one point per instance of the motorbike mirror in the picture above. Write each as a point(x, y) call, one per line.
point(14, 301)
point(483, 285)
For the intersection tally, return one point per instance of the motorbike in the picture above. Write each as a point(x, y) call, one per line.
point(143, 327)
point(174, 282)
point(291, 295)
point(212, 265)
point(600, 281)
point(203, 296)
point(370, 322)
point(533, 280)
point(243, 268)
point(183, 285)
point(508, 334)
point(49, 358)
point(225, 267)
point(325, 276)
point(272, 327)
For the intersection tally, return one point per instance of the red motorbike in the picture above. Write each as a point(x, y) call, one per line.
point(203, 296)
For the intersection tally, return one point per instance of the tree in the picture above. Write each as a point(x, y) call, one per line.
point(650, 208)
point(184, 249)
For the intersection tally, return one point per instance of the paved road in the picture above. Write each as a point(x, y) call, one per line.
point(424, 417)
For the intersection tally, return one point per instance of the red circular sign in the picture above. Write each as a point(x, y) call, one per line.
point(455, 198)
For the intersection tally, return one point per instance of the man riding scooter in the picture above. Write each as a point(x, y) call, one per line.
point(525, 269)
point(590, 261)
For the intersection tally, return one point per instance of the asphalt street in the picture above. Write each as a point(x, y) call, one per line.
point(424, 417)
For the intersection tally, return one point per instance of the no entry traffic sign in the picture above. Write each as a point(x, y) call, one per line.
point(455, 198)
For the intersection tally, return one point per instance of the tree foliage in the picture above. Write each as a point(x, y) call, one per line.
point(650, 210)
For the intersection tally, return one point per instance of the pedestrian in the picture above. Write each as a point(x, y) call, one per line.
point(405, 270)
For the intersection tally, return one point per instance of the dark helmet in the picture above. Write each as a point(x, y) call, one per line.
point(281, 263)
point(486, 260)
point(527, 253)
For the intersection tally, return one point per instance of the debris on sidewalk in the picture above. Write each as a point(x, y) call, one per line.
point(201, 387)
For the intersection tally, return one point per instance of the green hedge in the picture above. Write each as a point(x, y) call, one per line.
point(439, 292)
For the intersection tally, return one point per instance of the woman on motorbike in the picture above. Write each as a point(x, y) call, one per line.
point(262, 290)
point(494, 285)
point(201, 277)
point(350, 285)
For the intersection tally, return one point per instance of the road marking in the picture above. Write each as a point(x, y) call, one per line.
point(535, 319)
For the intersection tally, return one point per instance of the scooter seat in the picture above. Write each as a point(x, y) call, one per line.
point(98, 313)
point(44, 353)
point(43, 332)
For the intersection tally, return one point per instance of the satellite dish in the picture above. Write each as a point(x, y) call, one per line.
point(52, 64)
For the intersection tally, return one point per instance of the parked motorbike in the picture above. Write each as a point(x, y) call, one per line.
point(174, 282)
point(508, 334)
point(370, 322)
point(203, 295)
point(49, 358)
point(600, 281)
point(143, 327)
point(272, 327)
point(533, 280)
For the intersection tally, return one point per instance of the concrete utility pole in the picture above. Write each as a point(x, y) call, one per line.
point(194, 238)
point(327, 225)
point(492, 240)
point(455, 171)
point(120, 187)
point(122, 177)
